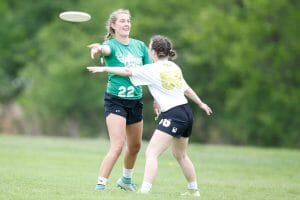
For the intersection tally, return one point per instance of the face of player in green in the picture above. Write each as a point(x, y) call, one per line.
point(122, 25)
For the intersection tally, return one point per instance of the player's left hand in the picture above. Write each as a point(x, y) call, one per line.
point(206, 108)
point(156, 109)
point(95, 69)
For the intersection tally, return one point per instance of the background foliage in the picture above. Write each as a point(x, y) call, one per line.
point(240, 56)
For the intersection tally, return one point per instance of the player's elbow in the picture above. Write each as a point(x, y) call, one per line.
point(187, 92)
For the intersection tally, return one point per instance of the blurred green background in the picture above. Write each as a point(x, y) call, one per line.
point(241, 56)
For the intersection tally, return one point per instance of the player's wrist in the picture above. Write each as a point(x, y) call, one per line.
point(200, 103)
point(99, 49)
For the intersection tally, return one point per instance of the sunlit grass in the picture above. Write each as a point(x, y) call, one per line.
point(63, 168)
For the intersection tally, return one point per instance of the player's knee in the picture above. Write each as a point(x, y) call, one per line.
point(116, 150)
point(179, 156)
point(150, 154)
point(134, 149)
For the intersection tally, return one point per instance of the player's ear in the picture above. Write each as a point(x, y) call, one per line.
point(113, 26)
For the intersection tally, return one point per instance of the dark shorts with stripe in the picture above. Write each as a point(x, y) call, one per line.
point(132, 110)
point(177, 121)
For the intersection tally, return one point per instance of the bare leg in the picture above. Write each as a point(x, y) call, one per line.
point(159, 142)
point(116, 129)
point(134, 140)
point(179, 148)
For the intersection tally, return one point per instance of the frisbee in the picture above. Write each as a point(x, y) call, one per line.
point(75, 16)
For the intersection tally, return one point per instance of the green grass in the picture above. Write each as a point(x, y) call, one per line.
point(63, 168)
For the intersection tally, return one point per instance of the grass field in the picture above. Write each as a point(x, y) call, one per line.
point(63, 168)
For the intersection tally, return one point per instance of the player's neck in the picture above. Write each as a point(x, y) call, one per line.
point(160, 59)
point(122, 39)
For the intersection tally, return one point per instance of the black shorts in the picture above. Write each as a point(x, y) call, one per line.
point(177, 121)
point(132, 110)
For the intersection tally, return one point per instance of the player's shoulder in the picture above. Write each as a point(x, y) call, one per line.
point(109, 41)
point(171, 63)
point(175, 64)
point(137, 42)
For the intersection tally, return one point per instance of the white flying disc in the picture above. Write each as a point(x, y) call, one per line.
point(75, 16)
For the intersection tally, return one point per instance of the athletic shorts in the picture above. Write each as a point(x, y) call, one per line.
point(177, 121)
point(132, 110)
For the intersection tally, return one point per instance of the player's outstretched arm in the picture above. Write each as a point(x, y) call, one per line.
point(190, 93)
point(96, 48)
point(121, 71)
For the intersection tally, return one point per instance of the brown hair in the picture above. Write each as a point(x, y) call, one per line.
point(163, 47)
point(111, 20)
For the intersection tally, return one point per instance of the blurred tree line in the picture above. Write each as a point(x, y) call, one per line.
point(241, 56)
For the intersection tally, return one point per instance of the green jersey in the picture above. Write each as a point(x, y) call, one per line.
point(131, 55)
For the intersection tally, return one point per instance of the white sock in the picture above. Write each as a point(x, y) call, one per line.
point(146, 187)
point(127, 173)
point(102, 180)
point(192, 185)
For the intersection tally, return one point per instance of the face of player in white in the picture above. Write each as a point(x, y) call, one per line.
point(152, 53)
point(122, 25)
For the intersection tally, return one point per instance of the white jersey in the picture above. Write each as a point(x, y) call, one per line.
point(165, 82)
